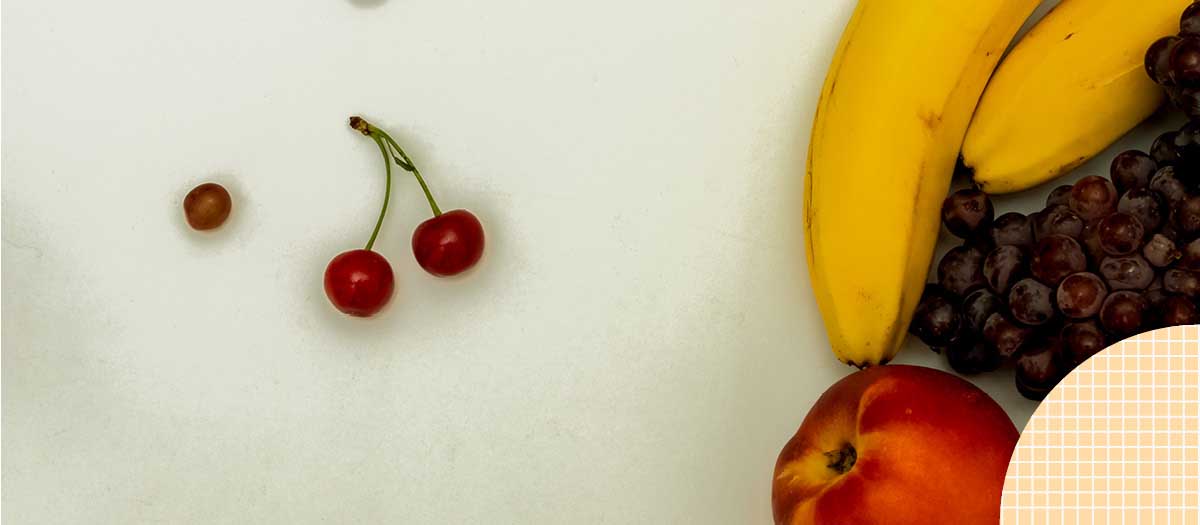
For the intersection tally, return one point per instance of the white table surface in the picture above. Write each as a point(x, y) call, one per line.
point(638, 342)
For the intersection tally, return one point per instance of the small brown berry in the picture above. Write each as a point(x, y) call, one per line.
point(207, 206)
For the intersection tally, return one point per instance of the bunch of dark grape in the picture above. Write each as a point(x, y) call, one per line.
point(1174, 63)
point(1105, 259)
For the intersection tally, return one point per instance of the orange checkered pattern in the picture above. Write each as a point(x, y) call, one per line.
point(1118, 441)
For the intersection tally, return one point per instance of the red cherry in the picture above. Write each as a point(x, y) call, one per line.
point(359, 282)
point(448, 244)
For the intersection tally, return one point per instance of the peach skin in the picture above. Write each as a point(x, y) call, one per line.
point(896, 444)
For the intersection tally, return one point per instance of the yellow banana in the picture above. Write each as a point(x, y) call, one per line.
point(1069, 89)
point(896, 103)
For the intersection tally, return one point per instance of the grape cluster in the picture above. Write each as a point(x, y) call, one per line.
point(1107, 258)
point(1174, 63)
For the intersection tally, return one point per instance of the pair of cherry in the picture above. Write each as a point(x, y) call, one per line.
point(360, 282)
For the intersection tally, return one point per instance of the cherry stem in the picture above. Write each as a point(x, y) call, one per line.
point(402, 159)
point(387, 192)
point(412, 168)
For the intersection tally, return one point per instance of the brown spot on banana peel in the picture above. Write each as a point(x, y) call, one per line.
point(809, 213)
point(931, 120)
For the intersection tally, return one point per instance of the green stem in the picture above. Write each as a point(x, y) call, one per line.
point(387, 192)
point(404, 161)
point(409, 166)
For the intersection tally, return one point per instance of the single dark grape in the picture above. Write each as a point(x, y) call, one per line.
point(1030, 302)
point(1185, 217)
point(1160, 251)
point(1012, 228)
point(1081, 340)
point(1181, 282)
point(1158, 60)
point(1032, 393)
point(1185, 61)
point(1038, 367)
point(1164, 152)
point(978, 305)
point(1131, 170)
point(1058, 219)
point(961, 270)
point(1176, 310)
point(1130, 272)
point(936, 320)
point(1189, 23)
point(971, 356)
point(1004, 336)
point(1093, 197)
point(1123, 313)
point(1121, 234)
point(1080, 295)
point(1004, 266)
point(1059, 196)
point(1147, 205)
point(1167, 184)
point(967, 211)
point(1055, 257)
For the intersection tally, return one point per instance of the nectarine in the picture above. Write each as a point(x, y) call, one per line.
point(896, 444)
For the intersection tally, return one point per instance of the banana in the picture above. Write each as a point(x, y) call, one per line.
point(896, 102)
point(1069, 89)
